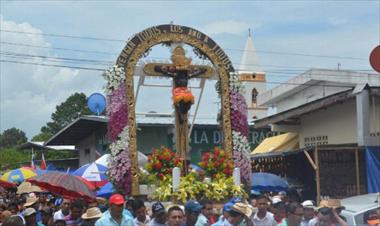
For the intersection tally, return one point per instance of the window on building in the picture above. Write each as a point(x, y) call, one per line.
point(254, 97)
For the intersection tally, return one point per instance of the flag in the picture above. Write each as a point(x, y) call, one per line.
point(32, 165)
point(43, 163)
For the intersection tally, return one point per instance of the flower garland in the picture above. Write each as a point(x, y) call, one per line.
point(118, 132)
point(240, 129)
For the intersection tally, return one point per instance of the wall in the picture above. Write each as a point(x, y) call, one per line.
point(336, 123)
point(152, 137)
point(307, 95)
point(87, 150)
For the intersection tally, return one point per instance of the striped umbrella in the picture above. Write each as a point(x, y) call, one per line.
point(66, 185)
point(18, 175)
point(92, 172)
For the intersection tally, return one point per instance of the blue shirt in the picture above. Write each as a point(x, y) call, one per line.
point(222, 222)
point(107, 220)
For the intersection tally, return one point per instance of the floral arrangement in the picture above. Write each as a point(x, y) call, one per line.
point(240, 129)
point(217, 163)
point(118, 133)
point(162, 161)
point(182, 94)
point(192, 187)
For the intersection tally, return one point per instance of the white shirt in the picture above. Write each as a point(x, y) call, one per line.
point(139, 223)
point(58, 215)
point(268, 220)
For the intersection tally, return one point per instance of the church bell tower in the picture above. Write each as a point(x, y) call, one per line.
point(253, 79)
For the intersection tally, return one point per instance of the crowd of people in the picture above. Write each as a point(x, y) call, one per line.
point(260, 210)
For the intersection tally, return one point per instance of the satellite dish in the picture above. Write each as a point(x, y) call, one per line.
point(96, 103)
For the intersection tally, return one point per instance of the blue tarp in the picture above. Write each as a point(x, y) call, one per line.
point(373, 169)
point(268, 182)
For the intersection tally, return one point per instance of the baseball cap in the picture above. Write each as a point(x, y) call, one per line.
point(116, 199)
point(235, 200)
point(157, 207)
point(308, 204)
point(227, 207)
point(193, 206)
point(276, 199)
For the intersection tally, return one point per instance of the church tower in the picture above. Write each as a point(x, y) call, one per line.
point(253, 79)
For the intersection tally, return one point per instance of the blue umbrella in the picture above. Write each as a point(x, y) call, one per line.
point(106, 191)
point(92, 172)
point(268, 182)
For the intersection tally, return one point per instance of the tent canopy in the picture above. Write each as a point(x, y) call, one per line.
point(278, 144)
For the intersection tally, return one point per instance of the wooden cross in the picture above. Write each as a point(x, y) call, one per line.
point(180, 71)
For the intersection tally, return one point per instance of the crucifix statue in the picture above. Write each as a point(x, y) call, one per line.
point(180, 71)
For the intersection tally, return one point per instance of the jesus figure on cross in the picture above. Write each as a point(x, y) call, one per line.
point(180, 71)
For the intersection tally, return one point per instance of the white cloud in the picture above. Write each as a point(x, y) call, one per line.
point(227, 27)
point(29, 93)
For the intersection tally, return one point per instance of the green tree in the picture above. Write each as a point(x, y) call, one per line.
point(65, 113)
point(12, 137)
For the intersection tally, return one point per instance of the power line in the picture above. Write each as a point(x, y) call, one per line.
point(52, 65)
point(63, 36)
point(283, 67)
point(290, 72)
point(99, 69)
point(232, 49)
point(59, 48)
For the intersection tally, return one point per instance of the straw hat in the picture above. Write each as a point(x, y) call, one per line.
point(27, 187)
point(92, 213)
point(242, 208)
point(30, 201)
point(331, 203)
point(29, 211)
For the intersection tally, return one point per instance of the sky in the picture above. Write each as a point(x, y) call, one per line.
point(290, 37)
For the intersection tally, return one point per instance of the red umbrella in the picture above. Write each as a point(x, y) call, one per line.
point(88, 183)
point(63, 184)
point(6, 184)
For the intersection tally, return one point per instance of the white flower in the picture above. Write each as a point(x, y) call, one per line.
point(121, 143)
point(114, 77)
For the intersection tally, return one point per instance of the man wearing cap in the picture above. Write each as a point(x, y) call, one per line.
point(192, 211)
point(159, 215)
point(308, 212)
point(115, 216)
point(30, 217)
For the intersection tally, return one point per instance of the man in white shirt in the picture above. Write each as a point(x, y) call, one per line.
point(141, 219)
point(308, 212)
point(64, 211)
point(263, 217)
